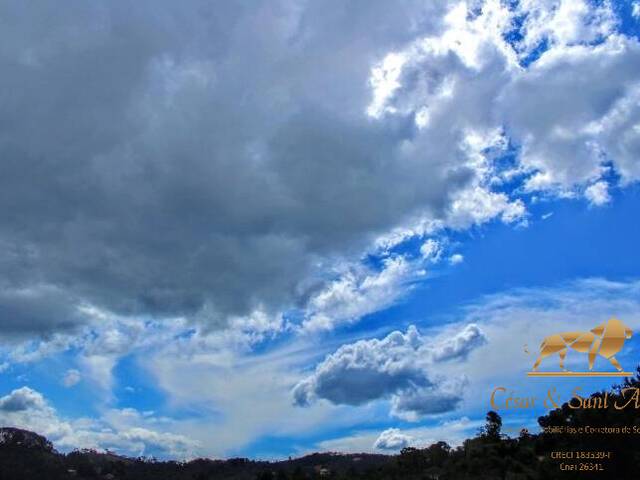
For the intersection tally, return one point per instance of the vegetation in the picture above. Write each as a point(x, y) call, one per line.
point(490, 455)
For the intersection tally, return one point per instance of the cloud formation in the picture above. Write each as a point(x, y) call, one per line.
point(125, 431)
point(22, 399)
point(401, 366)
point(392, 439)
point(181, 162)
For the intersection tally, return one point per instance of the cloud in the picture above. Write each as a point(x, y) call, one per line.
point(22, 399)
point(71, 377)
point(399, 366)
point(38, 309)
point(458, 346)
point(124, 431)
point(451, 431)
point(140, 218)
point(392, 439)
point(598, 193)
point(221, 380)
point(456, 258)
point(566, 124)
point(564, 22)
point(358, 292)
point(413, 404)
point(431, 250)
point(157, 204)
point(519, 317)
point(566, 148)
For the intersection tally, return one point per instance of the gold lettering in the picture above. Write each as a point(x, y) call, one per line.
point(577, 397)
point(493, 403)
point(635, 397)
point(551, 400)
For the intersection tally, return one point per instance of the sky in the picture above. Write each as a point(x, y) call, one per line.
point(270, 228)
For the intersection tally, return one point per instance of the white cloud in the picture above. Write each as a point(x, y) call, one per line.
point(384, 81)
point(392, 439)
point(398, 367)
point(564, 22)
point(127, 432)
point(431, 250)
point(71, 377)
point(635, 9)
point(572, 111)
point(598, 193)
point(456, 258)
point(220, 380)
point(457, 346)
point(22, 399)
point(358, 292)
point(479, 205)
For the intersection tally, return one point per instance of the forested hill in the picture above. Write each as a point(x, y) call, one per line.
point(489, 455)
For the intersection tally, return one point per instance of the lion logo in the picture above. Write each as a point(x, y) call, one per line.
point(605, 340)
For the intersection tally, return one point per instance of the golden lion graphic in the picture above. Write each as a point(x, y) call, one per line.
point(606, 340)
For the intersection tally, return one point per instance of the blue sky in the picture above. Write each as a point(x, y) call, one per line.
point(288, 227)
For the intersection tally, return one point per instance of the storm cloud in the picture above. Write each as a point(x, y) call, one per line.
point(213, 160)
point(181, 161)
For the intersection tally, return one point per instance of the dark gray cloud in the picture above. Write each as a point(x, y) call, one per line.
point(196, 159)
point(207, 160)
point(38, 309)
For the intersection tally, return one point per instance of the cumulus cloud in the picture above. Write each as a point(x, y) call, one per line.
point(452, 431)
point(22, 399)
point(125, 431)
point(458, 346)
point(564, 22)
point(139, 217)
point(414, 404)
point(392, 439)
point(399, 366)
point(145, 197)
